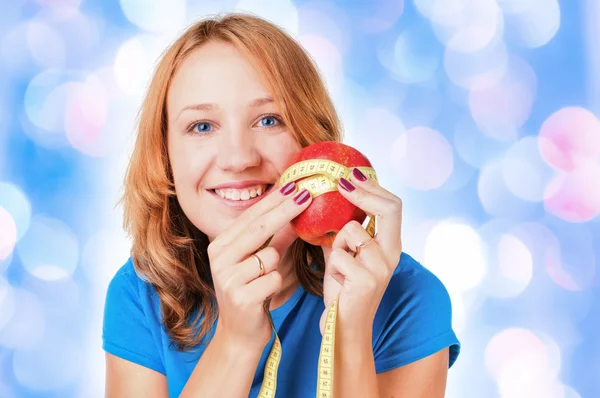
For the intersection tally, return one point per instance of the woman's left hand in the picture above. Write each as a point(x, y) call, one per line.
point(361, 281)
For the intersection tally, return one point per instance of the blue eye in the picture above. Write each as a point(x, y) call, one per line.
point(268, 124)
point(202, 127)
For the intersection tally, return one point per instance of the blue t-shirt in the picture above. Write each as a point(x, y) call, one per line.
point(412, 322)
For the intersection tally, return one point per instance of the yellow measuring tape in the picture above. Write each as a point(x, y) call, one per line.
point(318, 176)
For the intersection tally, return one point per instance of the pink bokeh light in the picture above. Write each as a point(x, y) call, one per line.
point(568, 135)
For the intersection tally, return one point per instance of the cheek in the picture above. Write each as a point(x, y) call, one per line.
point(282, 150)
point(186, 165)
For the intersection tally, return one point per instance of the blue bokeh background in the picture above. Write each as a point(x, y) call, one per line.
point(482, 115)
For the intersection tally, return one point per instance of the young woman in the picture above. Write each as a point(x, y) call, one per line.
point(230, 102)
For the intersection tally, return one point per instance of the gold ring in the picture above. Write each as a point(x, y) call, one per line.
point(260, 265)
point(361, 245)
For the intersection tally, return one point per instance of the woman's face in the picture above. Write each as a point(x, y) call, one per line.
point(227, 142)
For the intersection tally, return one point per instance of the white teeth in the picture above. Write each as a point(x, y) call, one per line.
point(241, 194)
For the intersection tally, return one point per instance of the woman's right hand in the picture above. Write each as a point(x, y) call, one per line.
point(240, 290)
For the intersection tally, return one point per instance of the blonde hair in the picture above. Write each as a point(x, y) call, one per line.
point(168, 251)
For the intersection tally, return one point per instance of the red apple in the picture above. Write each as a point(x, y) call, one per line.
point(328, 212)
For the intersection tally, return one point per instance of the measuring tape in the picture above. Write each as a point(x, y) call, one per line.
point(318, 176)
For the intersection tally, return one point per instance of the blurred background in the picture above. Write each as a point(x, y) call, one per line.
point(482, 115)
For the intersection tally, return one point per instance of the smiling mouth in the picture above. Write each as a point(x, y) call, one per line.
point(243, 194)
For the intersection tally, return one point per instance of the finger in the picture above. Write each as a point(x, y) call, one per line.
point(370, 256)
point(342, 264)
point(388, 211)
point(262, 287)
point(249, 269)
point(271, 201)
point(358, 178)
point(263, 227)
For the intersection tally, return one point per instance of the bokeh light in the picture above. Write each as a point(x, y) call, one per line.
point(525, 173)
point(500, 110)
point(7, 302)
point(569, 136)
point(26, 326)
point(532, 23)
point(471, 26)
point(479, 69)
point(483, 116)
point(575, 196)
point(14, 201)
point(49, 250)
point(50, 366)
point(412, 158)
point(155, 15)
point(411, 58)
point(496, 198)
point(327, 21)
point(454, 252)
point(473, 146)
point(281, 12)
point(86, 114)
point(46, 45)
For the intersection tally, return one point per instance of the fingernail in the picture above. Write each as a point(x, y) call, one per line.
point(288, 188)
point(346, 184)
point(359, 175)
point(302, 197)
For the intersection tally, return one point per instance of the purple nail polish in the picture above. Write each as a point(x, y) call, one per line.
point(359, 175)
point(302, 197)
point(288, 188)
point(347, 185)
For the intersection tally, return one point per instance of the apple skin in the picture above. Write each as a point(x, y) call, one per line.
point(329, 212)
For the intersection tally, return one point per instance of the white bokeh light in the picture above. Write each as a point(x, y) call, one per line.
point(14, 201)
point(45, 100)
point(412, 154)
point(49, 250)
point(86, 116)
point(27, 324)
point(55, 364)
point(517, 347)
point(496, 198)
point(7, 302)
point(134, 62)
point(474, 147)
point(327, 59)
point(477, 70)
point(501, 109)
point(515, 267)
point(155, 15)
point(409, 58)
point(283, 13)
point(454, 252)
point(327, 21)
point(524, 171)
point(533, 23)
point(8, 234)
point(103, 254)
point(46, 45)
point(471, 27)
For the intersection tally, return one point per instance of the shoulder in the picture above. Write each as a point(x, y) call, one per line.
point(131, 326)
point(127, 281)
point(413, 284)
point(414, 318)
point(129, 293)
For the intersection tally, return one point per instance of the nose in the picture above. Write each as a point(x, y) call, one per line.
point(238, 152)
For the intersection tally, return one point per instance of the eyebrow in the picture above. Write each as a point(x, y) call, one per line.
point(210, 107)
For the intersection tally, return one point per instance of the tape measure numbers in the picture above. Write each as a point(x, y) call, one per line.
point(318, 176)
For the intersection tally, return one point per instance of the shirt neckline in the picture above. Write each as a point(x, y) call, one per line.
point(285, 308)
